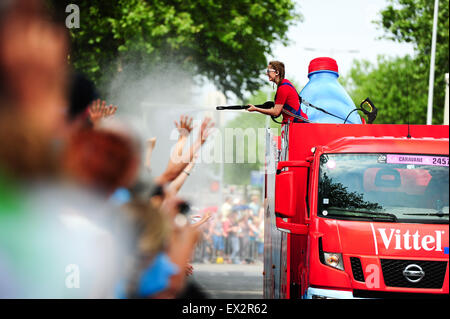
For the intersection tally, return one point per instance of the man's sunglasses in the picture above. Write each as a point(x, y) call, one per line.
point(270, 70)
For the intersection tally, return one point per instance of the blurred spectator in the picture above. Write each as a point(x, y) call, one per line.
point(82, 92)
point(204, 248)
point(253, 233)
point(226, 238)
point(150, 268)
point(260, 239)
point(46, 229)
point(255, 205)
point(33, 65)
point(234, 237)
point(100, 159)
point(244, 236)
point(217, 237)
point(63, 183)
point(226, 207)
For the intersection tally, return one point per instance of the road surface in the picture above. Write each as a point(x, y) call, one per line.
point(228, 281)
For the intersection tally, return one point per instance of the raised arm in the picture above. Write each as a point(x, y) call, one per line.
point(176, 164)
point(176, 184)
point(203, 220)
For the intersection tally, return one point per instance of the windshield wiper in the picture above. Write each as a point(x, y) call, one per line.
point(439, 214)
point(366, 214)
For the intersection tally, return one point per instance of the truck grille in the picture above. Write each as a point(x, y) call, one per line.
point(357, 270)
point(433, 273)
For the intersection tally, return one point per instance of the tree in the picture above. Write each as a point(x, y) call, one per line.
point(412, 21)
point(226, 41)
point(395, 86)
point(400, 85)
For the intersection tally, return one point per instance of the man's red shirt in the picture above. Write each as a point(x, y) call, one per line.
point(286, 94)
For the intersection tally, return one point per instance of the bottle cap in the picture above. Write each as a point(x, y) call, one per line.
point(321, 64)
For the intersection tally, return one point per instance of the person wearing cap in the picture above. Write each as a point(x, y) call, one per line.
point(286, 98)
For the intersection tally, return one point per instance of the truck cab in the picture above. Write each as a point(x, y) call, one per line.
point(356, 211)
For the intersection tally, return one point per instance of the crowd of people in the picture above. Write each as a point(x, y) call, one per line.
point(234, 235)
point(81, 216)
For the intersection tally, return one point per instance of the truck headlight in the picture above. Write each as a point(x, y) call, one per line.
point(334, 260)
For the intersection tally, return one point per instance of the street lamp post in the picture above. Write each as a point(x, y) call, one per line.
point(433, 53)
point(446, 100)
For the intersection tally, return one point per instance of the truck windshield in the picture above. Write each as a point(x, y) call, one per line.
point(384, 187)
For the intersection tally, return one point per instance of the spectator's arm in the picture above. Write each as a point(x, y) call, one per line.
point(204, 133)
point(149, 150)
point(180, 250)
point(175, 165)
point(184, 128)
point(204, 219)
point(179, 181)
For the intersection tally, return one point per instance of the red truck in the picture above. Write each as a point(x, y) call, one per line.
point(357, 211)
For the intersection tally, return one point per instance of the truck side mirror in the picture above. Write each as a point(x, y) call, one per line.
point(288, 197)
point(285, 197)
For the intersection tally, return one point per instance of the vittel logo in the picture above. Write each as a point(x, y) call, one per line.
point(411, 241)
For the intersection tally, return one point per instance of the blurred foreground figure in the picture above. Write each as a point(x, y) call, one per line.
point(33, 64)
point(56, 238)
point(59, 238)
point(61, 234)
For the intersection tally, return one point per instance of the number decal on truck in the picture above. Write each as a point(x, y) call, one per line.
point(440, 161)
point(417, 159)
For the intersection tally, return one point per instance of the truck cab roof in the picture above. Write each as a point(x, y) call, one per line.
point(387, 144)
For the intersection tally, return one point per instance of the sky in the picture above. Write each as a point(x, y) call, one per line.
point(341, 29)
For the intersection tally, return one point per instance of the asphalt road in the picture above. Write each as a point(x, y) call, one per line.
point(228, 281)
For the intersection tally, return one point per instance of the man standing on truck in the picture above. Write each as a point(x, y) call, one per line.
point(286, 99)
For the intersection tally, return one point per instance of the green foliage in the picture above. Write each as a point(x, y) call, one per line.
point(412, 21)
point(398, 84)
point(226, 41)
point(395, 86)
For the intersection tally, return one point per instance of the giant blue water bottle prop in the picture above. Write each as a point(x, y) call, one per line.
point(324, 91)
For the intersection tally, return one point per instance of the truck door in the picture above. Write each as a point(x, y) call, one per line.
point(285, 228)
point(272, 236)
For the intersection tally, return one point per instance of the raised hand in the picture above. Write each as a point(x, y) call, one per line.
point(98, 110)
point(179, 160)
point(185, 126)
point(110, 110)
point(95, 111)
point(189, 269)
point(205, 129)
